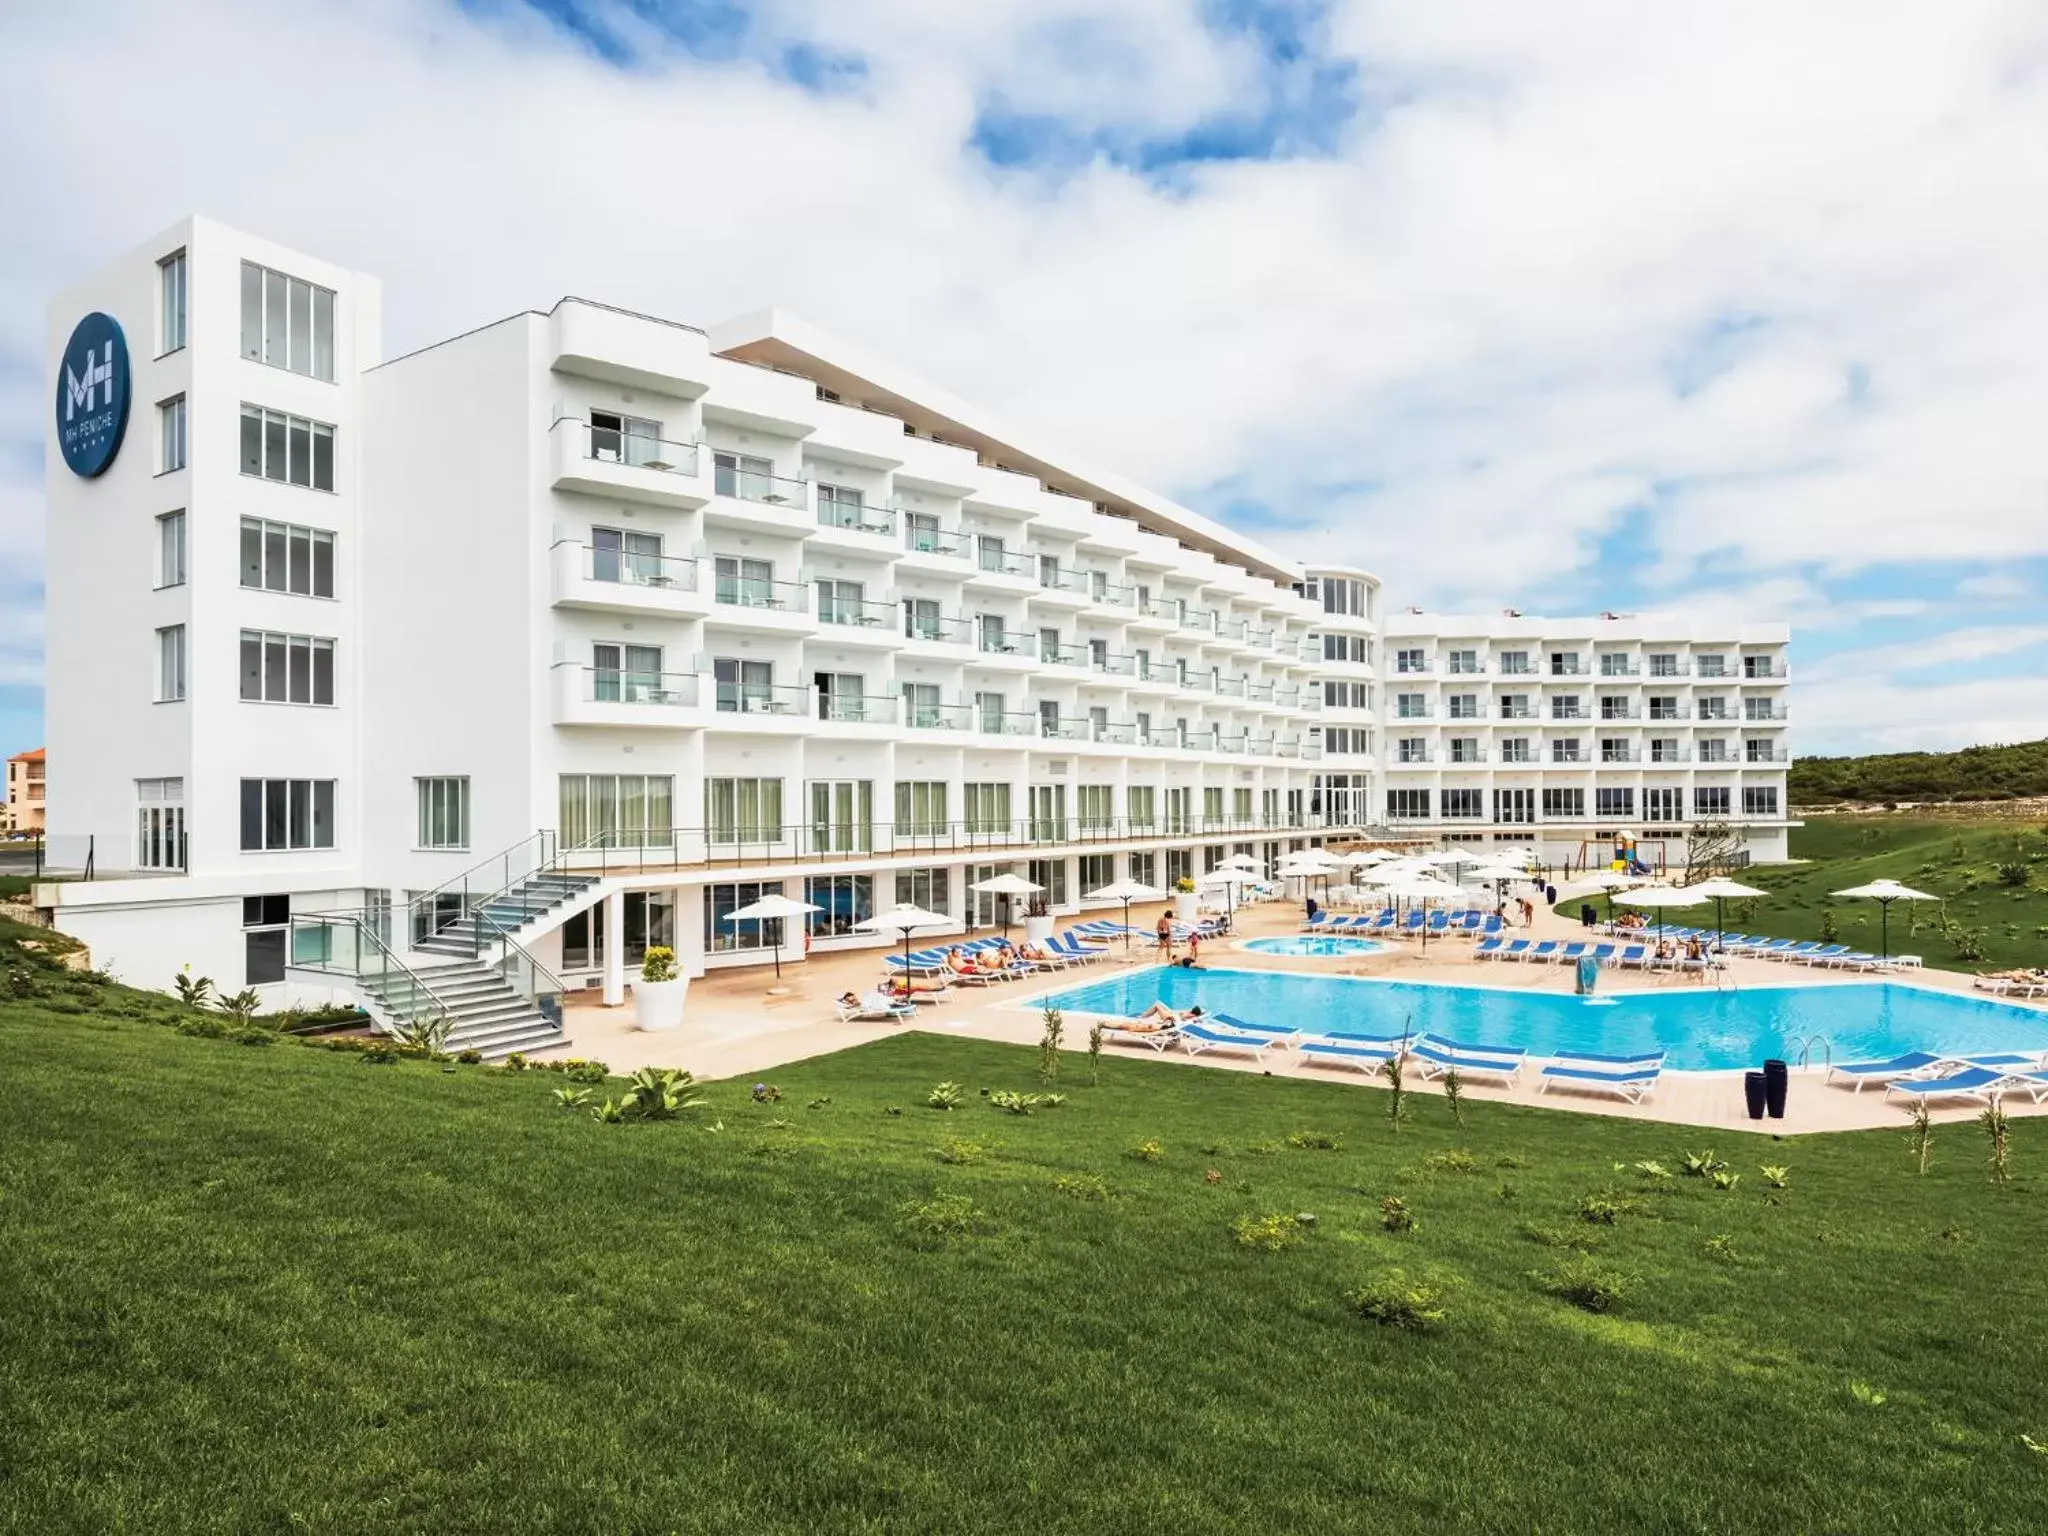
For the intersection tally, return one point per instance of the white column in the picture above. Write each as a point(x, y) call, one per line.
point(615, 949)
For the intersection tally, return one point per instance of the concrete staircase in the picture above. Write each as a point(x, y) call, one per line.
point(485, 1013)
point(550, 893)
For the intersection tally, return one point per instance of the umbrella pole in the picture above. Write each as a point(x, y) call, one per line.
point(777, 951)
point(1720, 929)
point(1884, 925)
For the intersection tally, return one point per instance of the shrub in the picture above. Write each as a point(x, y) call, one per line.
point(1315, 1141)
point(424, 1036)
point(1724, 1178)
point(1776, 1177)
point(1721, 1247)
point(378, 1056)
point(659, 1093)
point(1266, 1234)
point(1082, 1186)
point(1392, 1300)
point(1700, 1165)
point(2016, 874)
point(193, 991)
point(1994, 1122)
point(204, 1027)
point(1049, 1046)
point(1586, 1282)
point(1392, 1070)
point(253, 1034)
point(610, 1112)
point(239, 1007)
point(820, 1101)
point(1395, 1215)
point(940, 1219)
point(944, 1096)
point(1654, 1171)
point(1148, 1151)
point(958, 1151)
point(1022, 1103)
point(1921, 1137)
point(1095, 1031)
point(1608, 1206)
point(1829, 933)
point(470, 1058)
point(572, 1098)
point(765, 1093)
point(1456, 1160)
point(658, 964)
point(1454, 1094)
point(592, 1072)
point(516, 1062)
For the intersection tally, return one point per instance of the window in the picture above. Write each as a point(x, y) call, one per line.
point(1346, 740)
point(1179, 862)
point(842, 815)
point(1614, 802)
point(1758, 666)
point(291, 450)
point(1514, 806)
point(1713, 750)
point(1465, 749)
point(618, 439)
point(1141, 807)
point(931, 889)
point(1614, 708)
point(1663, 804)
point(920, 808)
point(1515, 663)
point(170, 664)
point(1711, 666)
point(841, 602)
point(1411, 660)
point(1411, 749)
point(1565, 749)
point(287, 323)
point(1564, 663)
point(1047, 807)
point(265, 925)
point(1145, 868)
point(1347, 695)
point(1758, 752)
point(1760, 800)
point(1048, 645)
point(650, 918)
point(1516, 706)
point(280, 814)
point(170, 550)
point(1464, 663)
point(1663, 664)
point(159, 823)
point(988, 809)
point(1564, 804)
point(444, 812)
point(1714, 709)
point(284, 557)
point(1464, 804)
point(1097, 871)
point(743, 810)
point(1410, 706)
point(1759, 709)
point(1664, 707)
point(1464, 706)
point(631, 558)
point(1344, 596)
point(841, 695)
point(170, 434)
point(1407, 805)
point(743, 476)
point(1614, 750)
point(1212, 807)
point(170, 310)
point(841, 900)
point(841, 506)
point(921, 619)
point(1564, 706)
point(1514, 749)
point(724, 937)
point(743, 687)
point(1710, 800)
point(1615, 664)
point(1051, 874)
point(626, 810)
point(1095, 808)
point(1347, 648)
point(1664, 749)
point(286, 669)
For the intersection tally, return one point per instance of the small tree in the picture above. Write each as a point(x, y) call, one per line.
point(1095, 1054)
point(1994, 1122)
point(1049, 1046)
point(1397, 1097)
point(1828, 931)
point(193, 991)
point(1713, 847)
point(1454, 1094)
point(1921, 1137)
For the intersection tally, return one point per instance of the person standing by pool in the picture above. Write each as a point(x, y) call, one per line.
point(1164, 933)
point(1193, 957)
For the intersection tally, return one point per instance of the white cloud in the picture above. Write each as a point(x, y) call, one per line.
point(1477, 308)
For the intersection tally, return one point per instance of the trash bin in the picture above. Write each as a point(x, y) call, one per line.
point(1777, 1077)
point(1753, 1093)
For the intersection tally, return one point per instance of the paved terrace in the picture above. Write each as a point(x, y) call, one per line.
point(742, 1022)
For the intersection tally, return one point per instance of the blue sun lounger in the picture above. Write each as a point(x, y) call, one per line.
point(1633, 1083)
point(1280, 1034)
point(1436, 1057)
point(1486, 949)
point(1514, 949)
point(1858, 1073)
point(1196, 1038)
point(1364, 1055)
point(1982, 1084)
point(1545, 950)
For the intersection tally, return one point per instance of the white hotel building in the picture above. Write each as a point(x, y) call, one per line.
point(574, 632)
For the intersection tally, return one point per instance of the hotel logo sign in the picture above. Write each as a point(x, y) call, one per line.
point(92, 394)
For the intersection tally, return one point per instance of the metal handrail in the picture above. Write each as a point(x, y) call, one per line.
point(355, 918)
point(545, 837)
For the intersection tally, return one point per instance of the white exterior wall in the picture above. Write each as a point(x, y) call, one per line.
point(469, 603)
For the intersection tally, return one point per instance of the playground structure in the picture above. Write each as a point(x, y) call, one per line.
point(1623, 854)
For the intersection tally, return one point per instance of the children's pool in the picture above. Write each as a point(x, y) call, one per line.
point(1323, 944)
point(1703, 1031)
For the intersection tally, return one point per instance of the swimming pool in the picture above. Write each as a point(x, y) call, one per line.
point(1322, 944)
point(1703, 1031)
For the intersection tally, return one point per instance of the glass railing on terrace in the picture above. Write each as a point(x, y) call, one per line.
point(1112, 595)
point(609, 445)
point(1612, 668)
point(1260, 639)
point(1231, 629)
point(753, 485)
point(1766, 716)
point(1778, 755)
point(858, 708)
point(936, 541)
point(1155, 609)
point(1200, 620)
point(1063, 655)
point(1230, 687)
point(1004, 643)
point(938, 717)
point(938, 629)
point(856, 517)
point(764, 699)
point(1060, 579)
point(853, 612)
point(758, 592)
point(1113, 664)
point(995, 722)
point(621, 685)
point(676, 573)
point(1065, 728)
point(998, 562)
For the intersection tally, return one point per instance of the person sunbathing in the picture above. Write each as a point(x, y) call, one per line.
point(1665, 950)
point(1160, 1016)
point(960, 963)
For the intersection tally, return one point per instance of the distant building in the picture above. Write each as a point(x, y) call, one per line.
point(25, 786)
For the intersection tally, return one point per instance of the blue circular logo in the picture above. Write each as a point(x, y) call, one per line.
point(92, 394)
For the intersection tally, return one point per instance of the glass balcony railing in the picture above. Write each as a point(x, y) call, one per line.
point(996, 722)
point(676, 573)
point(764, 699)
point(634, 450)
point(1111, 595)
point(856, 517)
point(1058, 579)
point(757, 592)
point(611, 685)
point(1056, 655)
point(853, 612)
point(938, 629)
point(999, 562)
point(937, 717)
point(1230, 687)
point(936, 541)
point(752, 485)
point(1113, 664)
point(1003, 643)
point(858, 708)
point(1201, 620)
point(1765, 716)
point(1155, 609)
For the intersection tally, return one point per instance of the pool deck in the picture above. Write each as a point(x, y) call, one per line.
point(740, 1022)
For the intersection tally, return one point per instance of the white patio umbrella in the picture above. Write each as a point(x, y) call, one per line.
point(1240, 861)
point(774, 905)
point(1601, 882)
point(1366, 858)
point(904, 919)
point(1007, 886)
point(1230, 881)
point(1658, 897)
point(1417, 888)
point(1125, 891)
point(1884, 893)
point(1721, 888)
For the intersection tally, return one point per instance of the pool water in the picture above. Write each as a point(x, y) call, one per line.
point(1703, 1031)
point(1324, 944)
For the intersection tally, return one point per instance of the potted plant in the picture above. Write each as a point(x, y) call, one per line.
point(1037, 921)
point(1184, 899)
point(659, 992)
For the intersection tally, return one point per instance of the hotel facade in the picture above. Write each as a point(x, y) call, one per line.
point(478, 670)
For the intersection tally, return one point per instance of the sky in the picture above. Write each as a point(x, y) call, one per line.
point(1577, 306)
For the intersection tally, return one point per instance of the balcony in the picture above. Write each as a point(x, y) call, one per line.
point(1766, 757)
point(998, 722)
point(947, 551)
point(1572, 669)
point(1472, 757)
point(1673, 756)
point(600, 461)
point(1230, 687)
point(1423, 668)
point(858, 709)
point(1418, 757)
point(1570, 714)
point(855, 527)
point(1670, 669)
point(1062, 655)
point(1620, 755)
point(1775, 716)
point(1002, 571)
point(1712, 716)
point(607, 696)
point(1058, 588)
point(760, 503)
point(938, 717)
point(1414, 712)
point(1154, 615)
point(764, 701)
point(1466, 669)
point(1764, 671)
point(609, 580)
point(1200, 621)
point(1113, 664)
point(1109, 594)
point(1610, 667)
point(1608, 713)
point(852, 621)
point(1006, 650)
point(933, 629)
point(754, 603)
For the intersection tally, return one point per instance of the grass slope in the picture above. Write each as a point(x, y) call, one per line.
point(1959, 861)
point(1975, 773)
point(281, 1290)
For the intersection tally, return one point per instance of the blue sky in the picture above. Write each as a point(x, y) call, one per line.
point(1571, 307)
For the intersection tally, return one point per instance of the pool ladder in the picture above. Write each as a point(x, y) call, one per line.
point(1806, 1051)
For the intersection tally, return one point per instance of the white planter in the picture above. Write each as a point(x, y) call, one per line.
point(1184, 906)
point(1037, 929)
point(659, 1004)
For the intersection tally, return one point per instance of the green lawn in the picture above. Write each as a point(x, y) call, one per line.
point(278, 1289)
point(1954, 859)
